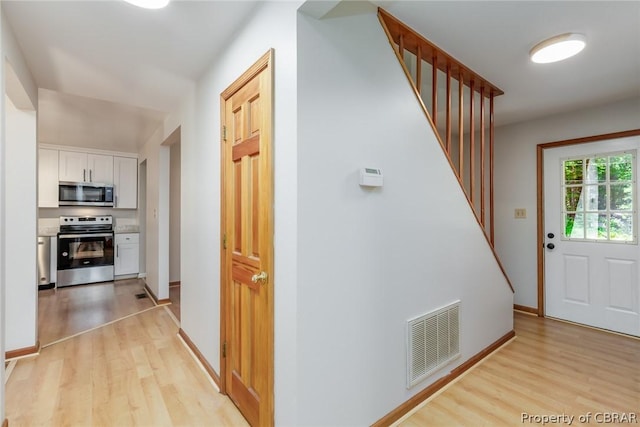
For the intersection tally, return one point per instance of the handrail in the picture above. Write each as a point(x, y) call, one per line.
point(412, 40)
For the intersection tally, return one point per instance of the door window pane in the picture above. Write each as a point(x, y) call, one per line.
point(621, 227)
point(596, 170)
point(596, 196)
point(573, 171)
point(621, 168)
point(599, 197)
point(596, 226)
point(574, 225)
point(572, 199)
point(621, 197)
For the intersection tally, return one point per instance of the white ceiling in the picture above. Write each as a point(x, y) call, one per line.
point(110, 71)
point(142, 61)
point(88, 122)
point(494, 38)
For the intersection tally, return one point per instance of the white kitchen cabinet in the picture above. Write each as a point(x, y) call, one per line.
point(76, 166)
point(72, 166)
point(100, 168)
point(127, 257)
point(47, 178)
point(125, 182)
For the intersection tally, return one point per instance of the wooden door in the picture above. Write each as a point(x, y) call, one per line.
point(591, 239)
point(247, 241)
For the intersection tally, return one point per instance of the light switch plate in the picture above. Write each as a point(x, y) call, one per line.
point(520, 213)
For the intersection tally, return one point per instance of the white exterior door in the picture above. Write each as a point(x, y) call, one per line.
point(591, 238)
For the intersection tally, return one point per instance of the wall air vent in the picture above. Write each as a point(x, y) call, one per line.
point(433, 340)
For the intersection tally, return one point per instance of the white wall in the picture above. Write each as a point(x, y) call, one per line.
point(55, 213)
point(157, 213)
point(515, 181)
point(3, 240)
point(272, 26)
point(369, 260)
point(25, 94)
point(21, 230)
point(174, 213)
point(142, 215)
point(20, 213)
point(23, 88)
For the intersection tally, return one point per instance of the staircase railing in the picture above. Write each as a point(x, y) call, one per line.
point(459, 106)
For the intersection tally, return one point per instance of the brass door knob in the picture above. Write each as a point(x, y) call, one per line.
point(262, 277)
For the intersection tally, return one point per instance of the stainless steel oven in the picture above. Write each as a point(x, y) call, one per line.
point(85, 250)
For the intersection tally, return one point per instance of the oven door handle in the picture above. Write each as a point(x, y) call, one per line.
point(76, 236)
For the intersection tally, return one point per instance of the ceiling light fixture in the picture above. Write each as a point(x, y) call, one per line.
point(558, 48)
point(149, 4)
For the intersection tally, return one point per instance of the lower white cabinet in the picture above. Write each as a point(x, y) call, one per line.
point(127, 258)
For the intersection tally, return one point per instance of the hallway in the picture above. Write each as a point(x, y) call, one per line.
point(134, 372)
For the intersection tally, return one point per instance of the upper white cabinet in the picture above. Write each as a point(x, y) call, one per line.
point(56, 165)
point(72, 166)
point(83, 167)
point(47, 178)
point(100, 168)
point(125, 182)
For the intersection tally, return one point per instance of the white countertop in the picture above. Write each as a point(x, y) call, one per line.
point(47, 231)
point(119, 229)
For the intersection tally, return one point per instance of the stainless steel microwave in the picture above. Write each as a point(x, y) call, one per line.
point(84, 194)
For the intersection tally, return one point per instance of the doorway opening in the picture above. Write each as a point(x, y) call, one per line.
point(175, 284)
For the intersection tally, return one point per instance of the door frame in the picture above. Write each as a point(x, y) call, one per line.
point(265, 61)
point(540, 202)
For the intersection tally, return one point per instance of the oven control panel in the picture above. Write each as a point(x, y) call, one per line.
point(86, 220)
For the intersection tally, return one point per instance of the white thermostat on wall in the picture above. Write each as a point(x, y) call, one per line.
point(370, 177)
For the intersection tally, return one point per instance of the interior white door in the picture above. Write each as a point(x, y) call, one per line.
point(591, 239)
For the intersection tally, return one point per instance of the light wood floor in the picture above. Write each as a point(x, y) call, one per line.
point(134, 372)
point(137, 372)
point(66, 311)
point(174, 297)
point(552, 367)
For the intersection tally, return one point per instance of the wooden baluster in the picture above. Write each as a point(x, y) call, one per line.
point(472, 148)
point(491, 139)
point(401, 47)
point(419, 70)
point(482, 158)
point(434, 92)
point(448, 125)
point(461, 129)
